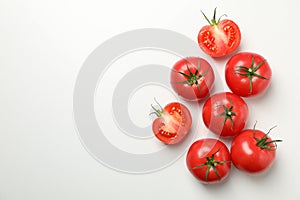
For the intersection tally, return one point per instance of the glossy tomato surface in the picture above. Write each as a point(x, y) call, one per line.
point(248, 74)
point(225, 114)
point(250, 155)
point(220, 37)
point(192, 78)
point(173, 123)
point(208, 160)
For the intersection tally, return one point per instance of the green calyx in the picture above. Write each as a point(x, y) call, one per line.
point(250, 72)
point(191, 78)
point(158, 112)
point(211, 163)
point(213, 21)
point(228, 113)
point(263, 142)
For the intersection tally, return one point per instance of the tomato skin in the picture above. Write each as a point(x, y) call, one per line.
point(173, 124)
point(240, 84)
point(197, 154)
point(205, 79)
point(220, 39)
point(249, 157)
point(214, 107)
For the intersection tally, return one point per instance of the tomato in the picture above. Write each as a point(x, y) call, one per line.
point(225, 114)
point(248, 74)
point(253, 151)
point(192, 78)
point(173, 123)
point(209, 160)
point(220, 37)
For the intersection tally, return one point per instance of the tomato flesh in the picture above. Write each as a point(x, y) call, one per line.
point(173, 124)
point(220, 39)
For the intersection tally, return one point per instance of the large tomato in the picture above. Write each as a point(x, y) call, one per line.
point(248, 74)
point(225, 114)
point(253, 151)
point(220, 37)
point(173, 122)
point(192, 78)
point(209, 160)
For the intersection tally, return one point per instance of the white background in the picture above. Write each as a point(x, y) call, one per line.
point(42, 47)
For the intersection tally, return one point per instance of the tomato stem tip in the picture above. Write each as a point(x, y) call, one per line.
point(263, 142)
point(213, 21)
point(158, 112)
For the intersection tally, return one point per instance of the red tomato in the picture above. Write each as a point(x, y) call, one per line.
point(173, 123)
point(225, 114)
point(248, 74)
point(220, 37)
point(253, 151)
point(192, 78)
point(209, 160)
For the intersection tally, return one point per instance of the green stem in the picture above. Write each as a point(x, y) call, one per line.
point(228, 113)
point(158, 112)
point(211, 163)
point(213, 21)
point(263, 142)
point(192, 78)
point(250, 72)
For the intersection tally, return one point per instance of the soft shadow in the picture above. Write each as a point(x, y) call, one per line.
point(264, 176)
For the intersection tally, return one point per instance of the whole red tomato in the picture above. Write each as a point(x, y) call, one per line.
point(209, 160)
point(220, 37)
point(253, 151)
point(225, 114)
point(248, 74)
point(173, 123)
point(192, 78)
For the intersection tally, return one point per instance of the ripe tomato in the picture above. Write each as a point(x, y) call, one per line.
point(253, 151)
point(209, 160)
point(225, 114)
point(173, 122)
point(248, 74)
point(220, 37)
point(192, 78)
